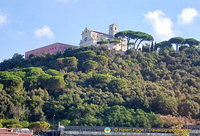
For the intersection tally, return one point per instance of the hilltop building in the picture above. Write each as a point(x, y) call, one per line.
point(52, 49)
point(90, 37)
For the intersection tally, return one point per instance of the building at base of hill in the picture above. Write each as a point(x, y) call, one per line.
point(95, 38)
point(52, 49)
point(16, 132)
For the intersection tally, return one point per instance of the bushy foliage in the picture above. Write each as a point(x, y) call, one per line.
point(93, 86)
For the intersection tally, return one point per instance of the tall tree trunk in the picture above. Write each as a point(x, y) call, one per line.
point(135, 42)
point(139, 44)
point(152, 46)
point(128, 41)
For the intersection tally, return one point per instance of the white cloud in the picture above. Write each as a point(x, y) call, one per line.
point(161, 24)
point(187, 15)
point(44, 32)
point(3, 18)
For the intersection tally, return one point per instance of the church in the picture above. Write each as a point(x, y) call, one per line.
point(95, 38)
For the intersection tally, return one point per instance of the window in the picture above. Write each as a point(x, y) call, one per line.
point(85, 38)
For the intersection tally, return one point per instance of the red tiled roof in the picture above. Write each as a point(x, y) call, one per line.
point(15, 134)
point(25, 134)
point(99, 32)
point(12, 132)
point(51, 45)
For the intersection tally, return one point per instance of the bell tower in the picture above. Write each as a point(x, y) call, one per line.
point(113, 29)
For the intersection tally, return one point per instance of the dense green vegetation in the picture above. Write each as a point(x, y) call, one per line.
point(96, 87)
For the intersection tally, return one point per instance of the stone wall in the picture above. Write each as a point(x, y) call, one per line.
point(86, 133)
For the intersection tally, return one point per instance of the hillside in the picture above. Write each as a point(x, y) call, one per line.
point(96, 87)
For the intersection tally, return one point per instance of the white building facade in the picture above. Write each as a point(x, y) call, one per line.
point(90, 37)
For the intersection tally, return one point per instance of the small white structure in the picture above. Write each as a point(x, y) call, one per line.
point(90, 37)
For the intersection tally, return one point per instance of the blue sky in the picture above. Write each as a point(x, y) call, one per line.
point(30, 24)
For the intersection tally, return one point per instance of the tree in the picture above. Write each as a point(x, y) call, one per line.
point(11, 82)
point(125, 34)
point(84, 55)
point(89, 65)
point(30, 71)
point(164, 46)
point(191, 42)
point(71, 62)
point(16, 61)
point(141, 119)
point(33, 76)
point(10, 123)
point(134, 36)
point(101, 59)
point(182, 47)
point(117, 85)
point(1, 87)
point(17, 56)
point(90, 120)
point(132, 45)
point(36, 114)
point(35, 102)
point(189, 108)
point(119, 116)
point(100, 80)
point(53, 72)
point(65, 122)
point(143, 37)
point(149, 81)
point(85, 114)
point(31, 56)
point(177, 41)
point(39, 126)
point(24, 124)
point(42, 80)
point(155, 120)
point(56, 83)
point(165, 104)
point(146, 48)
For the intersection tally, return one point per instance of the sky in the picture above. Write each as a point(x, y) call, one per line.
point(30, 24)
